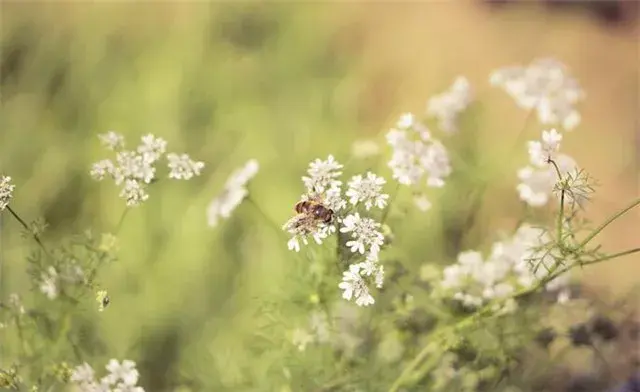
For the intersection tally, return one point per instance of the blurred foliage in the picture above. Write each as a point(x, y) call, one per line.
point(204, 308)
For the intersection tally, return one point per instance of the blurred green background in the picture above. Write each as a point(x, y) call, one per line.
point(284, 83)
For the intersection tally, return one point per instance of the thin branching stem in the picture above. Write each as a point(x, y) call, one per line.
point(488, 309)
point(29, 229)
point(561, 212)
point(606, 223)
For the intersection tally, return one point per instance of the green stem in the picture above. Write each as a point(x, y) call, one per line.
point(271, 222)
point(553, 273)
point(561, 213)
point(121, 221)
point(606, 223)
point(30, 230)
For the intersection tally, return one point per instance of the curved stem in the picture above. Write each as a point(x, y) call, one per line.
point(553, 273)
point(30, 230)
point(606, 223)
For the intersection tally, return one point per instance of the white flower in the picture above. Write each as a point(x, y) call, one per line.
point(422, 203)
point(447, 106)
point(124, 372)
point(233, 194)
point(354, 286)
point(182, 167)
point(83, 374)
point(367, 190)
point(406, 121)
point(240, 177)
point(364, 234)
point(416, 154)
point(544, 85)
point(222, 206)
point(101, 169)
point(132, 165)
point(322, 175)
point(6, 191)
point(49, 283)
point(134, 170)
point(112, 140)
point(537, 185)
point(133, 193)
point(379, 276)
point(152, 148)
point(436, 163)
point(541, 152)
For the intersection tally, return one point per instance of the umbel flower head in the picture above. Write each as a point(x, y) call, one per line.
point(6, 191)
point(322, 211)
point(134, 170)
point(121, 377)
point(539, 179)
point(416, 155)
point(514, 263)
point(446, 107)
point(233, 194)
point(544, 86)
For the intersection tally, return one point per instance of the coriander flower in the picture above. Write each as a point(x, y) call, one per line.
point(240, 177)
point(540, 152)
point(422, 203)
point(101, 169)
point(232, 195)
point(537, 184)
point(322, 175)
point(545, 86)
point(367, 190)
point(112, 140)
point(83, 374)
point(134, 170)
point(474, 280)
point(152, 148)
point(121, 378)
point(133, 166)
point(133, 192)
point(182, 167)
point(417, 155)
point(446, 107)
point(49, 283)
point(364, 234)
point(124, 372)
point(354, 286)
point(6, 191)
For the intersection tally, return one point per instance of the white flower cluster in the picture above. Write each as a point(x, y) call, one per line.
point(364, 236)
point(538, 179)
point(235, 190)
point(446, 107)
point(122, 377)
point(515, 263)
point(416, 154)
point(545, 86)
point(134, 170)
point(49, 283)
point(6, 191)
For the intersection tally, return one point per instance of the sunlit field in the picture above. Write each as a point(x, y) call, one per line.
point(263, 94)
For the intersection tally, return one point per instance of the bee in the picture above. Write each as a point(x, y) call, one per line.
point(103, 300)
point(310, 213)
point(315, 207)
